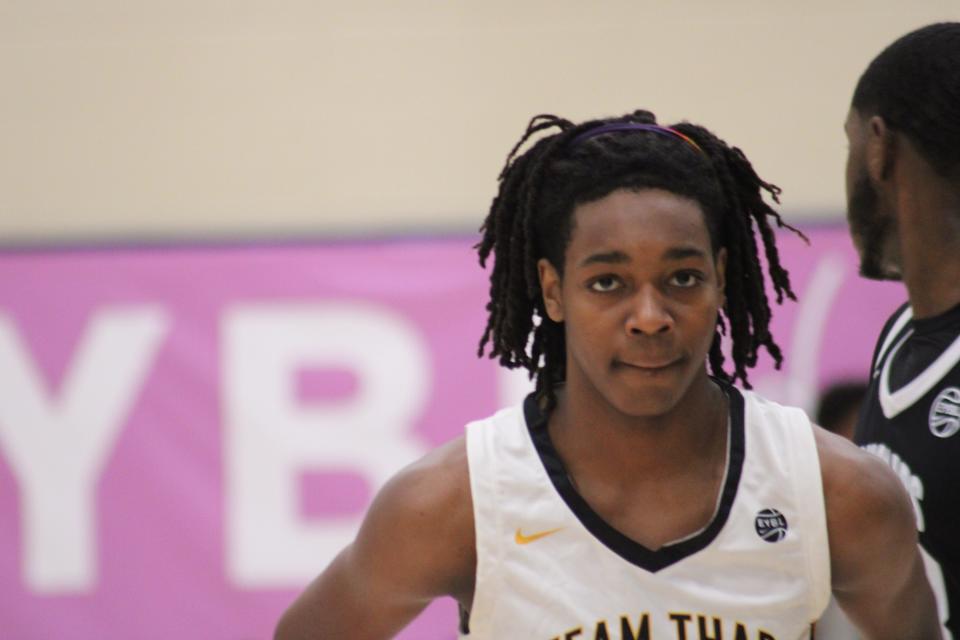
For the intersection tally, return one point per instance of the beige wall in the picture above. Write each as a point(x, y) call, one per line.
point(206, 118)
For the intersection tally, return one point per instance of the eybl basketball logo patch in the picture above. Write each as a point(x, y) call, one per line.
point(945, 413)
point(770, 525)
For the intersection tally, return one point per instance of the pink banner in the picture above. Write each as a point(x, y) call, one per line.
point(188, 435)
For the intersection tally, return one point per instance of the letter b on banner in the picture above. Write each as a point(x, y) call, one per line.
point(271, 438)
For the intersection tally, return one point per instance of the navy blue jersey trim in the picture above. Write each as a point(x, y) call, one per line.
point(629, 550)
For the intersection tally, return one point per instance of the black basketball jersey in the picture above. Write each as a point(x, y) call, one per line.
point(911, 420)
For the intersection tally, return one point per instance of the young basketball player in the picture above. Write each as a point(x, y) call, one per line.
point(903, 186)
point(634, 495)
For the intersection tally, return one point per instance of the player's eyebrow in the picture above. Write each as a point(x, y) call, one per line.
point(682, 253)
point(619, 257)
point(607, 257)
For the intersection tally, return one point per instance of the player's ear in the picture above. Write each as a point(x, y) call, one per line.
point(721, 266)
point(881, 150)
point(550, 286)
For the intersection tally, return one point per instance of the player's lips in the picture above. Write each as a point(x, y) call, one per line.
point(651, 366)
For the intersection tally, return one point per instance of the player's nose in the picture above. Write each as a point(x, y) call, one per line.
point(648, 313)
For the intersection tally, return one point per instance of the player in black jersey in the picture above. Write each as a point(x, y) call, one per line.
point(903, 187)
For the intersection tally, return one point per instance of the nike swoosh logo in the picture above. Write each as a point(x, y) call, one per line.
point(519, 538)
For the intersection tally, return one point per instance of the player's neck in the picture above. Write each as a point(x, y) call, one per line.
point(596, 438)
point(929, 232)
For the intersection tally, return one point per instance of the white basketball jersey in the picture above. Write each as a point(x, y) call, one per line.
point(549, 568)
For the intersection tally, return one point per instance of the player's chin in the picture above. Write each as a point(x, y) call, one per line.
point(653, 403)
point(648, 391)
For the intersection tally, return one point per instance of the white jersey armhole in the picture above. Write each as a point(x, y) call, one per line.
point(482, 463)
point(808, 484)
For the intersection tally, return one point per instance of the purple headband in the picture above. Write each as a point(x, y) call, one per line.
point(635, 126)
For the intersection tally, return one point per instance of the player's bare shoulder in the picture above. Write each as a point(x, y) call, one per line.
point(435, 488)
point(416, 543)
point(425, 512)
point(867, 507)
point(856, 484)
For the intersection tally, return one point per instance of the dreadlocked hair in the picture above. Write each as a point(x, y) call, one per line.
point(531, 218)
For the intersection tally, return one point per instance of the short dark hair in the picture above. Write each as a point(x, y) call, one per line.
point(914, 85)
point(530, 218)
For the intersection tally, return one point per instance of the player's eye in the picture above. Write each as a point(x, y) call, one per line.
point(605, 284)
point(686, 279)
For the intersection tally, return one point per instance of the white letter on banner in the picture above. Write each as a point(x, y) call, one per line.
point(270, 439)
point(57, 447)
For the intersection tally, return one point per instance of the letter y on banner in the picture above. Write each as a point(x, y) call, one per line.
point(58, 445)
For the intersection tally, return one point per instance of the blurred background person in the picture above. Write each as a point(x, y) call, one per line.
point(839, 406)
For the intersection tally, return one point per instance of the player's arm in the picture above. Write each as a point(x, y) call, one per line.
point(416, 543)
point(877, 571)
